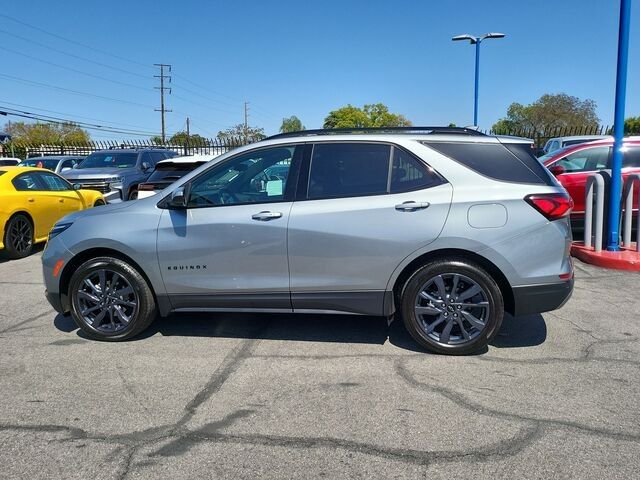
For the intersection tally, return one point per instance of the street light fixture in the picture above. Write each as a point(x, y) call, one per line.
point(473, 40)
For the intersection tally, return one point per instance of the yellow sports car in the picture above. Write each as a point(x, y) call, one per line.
point(32, 200)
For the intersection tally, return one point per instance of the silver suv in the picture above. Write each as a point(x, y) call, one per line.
point(446, 228)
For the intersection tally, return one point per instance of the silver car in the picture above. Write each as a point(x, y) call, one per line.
point(445, 228)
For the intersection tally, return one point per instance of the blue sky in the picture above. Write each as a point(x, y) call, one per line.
point(306, 58)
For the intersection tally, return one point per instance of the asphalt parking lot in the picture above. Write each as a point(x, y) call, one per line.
point(284, 396)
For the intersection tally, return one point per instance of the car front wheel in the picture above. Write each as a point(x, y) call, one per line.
point(110, 300)
point(452, 306)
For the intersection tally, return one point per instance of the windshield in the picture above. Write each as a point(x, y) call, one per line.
point(109, 160)
point(546, 157)
point(48, 163)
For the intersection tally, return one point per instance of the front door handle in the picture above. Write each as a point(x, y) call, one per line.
point(266, 216)
point(412, 206)
point(61, 200)
point(31, 200)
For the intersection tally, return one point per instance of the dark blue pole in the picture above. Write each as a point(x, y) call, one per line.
point(618, 128)
point(475, 97)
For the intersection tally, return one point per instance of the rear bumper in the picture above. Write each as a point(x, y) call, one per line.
point(530, 299)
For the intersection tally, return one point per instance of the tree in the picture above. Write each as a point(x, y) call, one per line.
point(291, 124)
point(193, 139)
point(237, 133)
point(46, 133)
point(549, 111)
point(632, 126)
point(371, 115)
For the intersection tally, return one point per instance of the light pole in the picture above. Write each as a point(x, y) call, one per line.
point(618, 127)
point(476, 41)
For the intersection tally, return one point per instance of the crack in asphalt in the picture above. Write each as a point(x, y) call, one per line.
point(11, 328)
point(463, 401)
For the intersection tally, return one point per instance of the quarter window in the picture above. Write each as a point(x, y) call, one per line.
point(260, 176)
point(348, 169)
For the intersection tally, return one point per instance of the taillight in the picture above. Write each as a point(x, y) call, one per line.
point(146, 186)
point(552, 205)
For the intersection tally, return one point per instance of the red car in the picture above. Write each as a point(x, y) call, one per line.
point(571, 166)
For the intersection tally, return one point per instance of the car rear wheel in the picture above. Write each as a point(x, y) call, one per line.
point(110, 300)
point(452, 306)
point(133, 194)
point(99, 203)
point(18, 236)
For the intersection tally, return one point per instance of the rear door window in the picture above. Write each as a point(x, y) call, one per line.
point(587, 160)
point(631, 158)
point(27, 182)
point(409, 173)
point(348, 170)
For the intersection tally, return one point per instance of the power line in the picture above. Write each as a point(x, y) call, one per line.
point(75, 92)
point(99, 77)
point(113, 124)
point(74, 42)
point(95, 62)
point(60, 121)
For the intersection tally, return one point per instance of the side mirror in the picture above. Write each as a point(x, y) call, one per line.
point(77, 186)
point(146, 166)
point(179, 198)
point(557, 170)
point(65, 169)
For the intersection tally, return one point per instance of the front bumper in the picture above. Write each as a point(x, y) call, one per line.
point(531, 299)
point(59, 304)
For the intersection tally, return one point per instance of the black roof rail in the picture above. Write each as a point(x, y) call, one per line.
point(374, 130)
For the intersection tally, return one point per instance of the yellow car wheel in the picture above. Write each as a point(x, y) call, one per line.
point(18, 237)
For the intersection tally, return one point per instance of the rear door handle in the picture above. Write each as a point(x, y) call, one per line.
point(412, 206)
point(266, 216)
point(61, 200)
point(31, 200)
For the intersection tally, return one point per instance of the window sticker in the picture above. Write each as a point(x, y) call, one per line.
point(274, 188)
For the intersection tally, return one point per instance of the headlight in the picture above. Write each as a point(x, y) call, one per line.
point(58, 228)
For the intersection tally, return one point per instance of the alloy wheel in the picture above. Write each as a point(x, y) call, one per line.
point(452, 309)
point(20, 235)
point(107, 301)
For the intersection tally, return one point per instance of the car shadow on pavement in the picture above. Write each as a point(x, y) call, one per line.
point(37, 248)
point(515, 332)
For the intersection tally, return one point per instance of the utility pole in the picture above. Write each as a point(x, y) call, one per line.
point(187, 129)
point(246, 122)
point(162, 89)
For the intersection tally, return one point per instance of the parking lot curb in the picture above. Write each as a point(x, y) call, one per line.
point(626, 259)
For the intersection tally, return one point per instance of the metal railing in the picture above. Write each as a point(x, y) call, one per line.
point(214, 146)
point(627, 201)
point(594, 186)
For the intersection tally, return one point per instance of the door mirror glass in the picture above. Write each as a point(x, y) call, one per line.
point(146, 166)
point(557, 170)
point(77, 186)
point(178, 198)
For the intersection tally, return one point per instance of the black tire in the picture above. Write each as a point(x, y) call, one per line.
point(133, 193)
point(99, 203)
point(18, 236)
point(110, 327)
point(457, 342)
